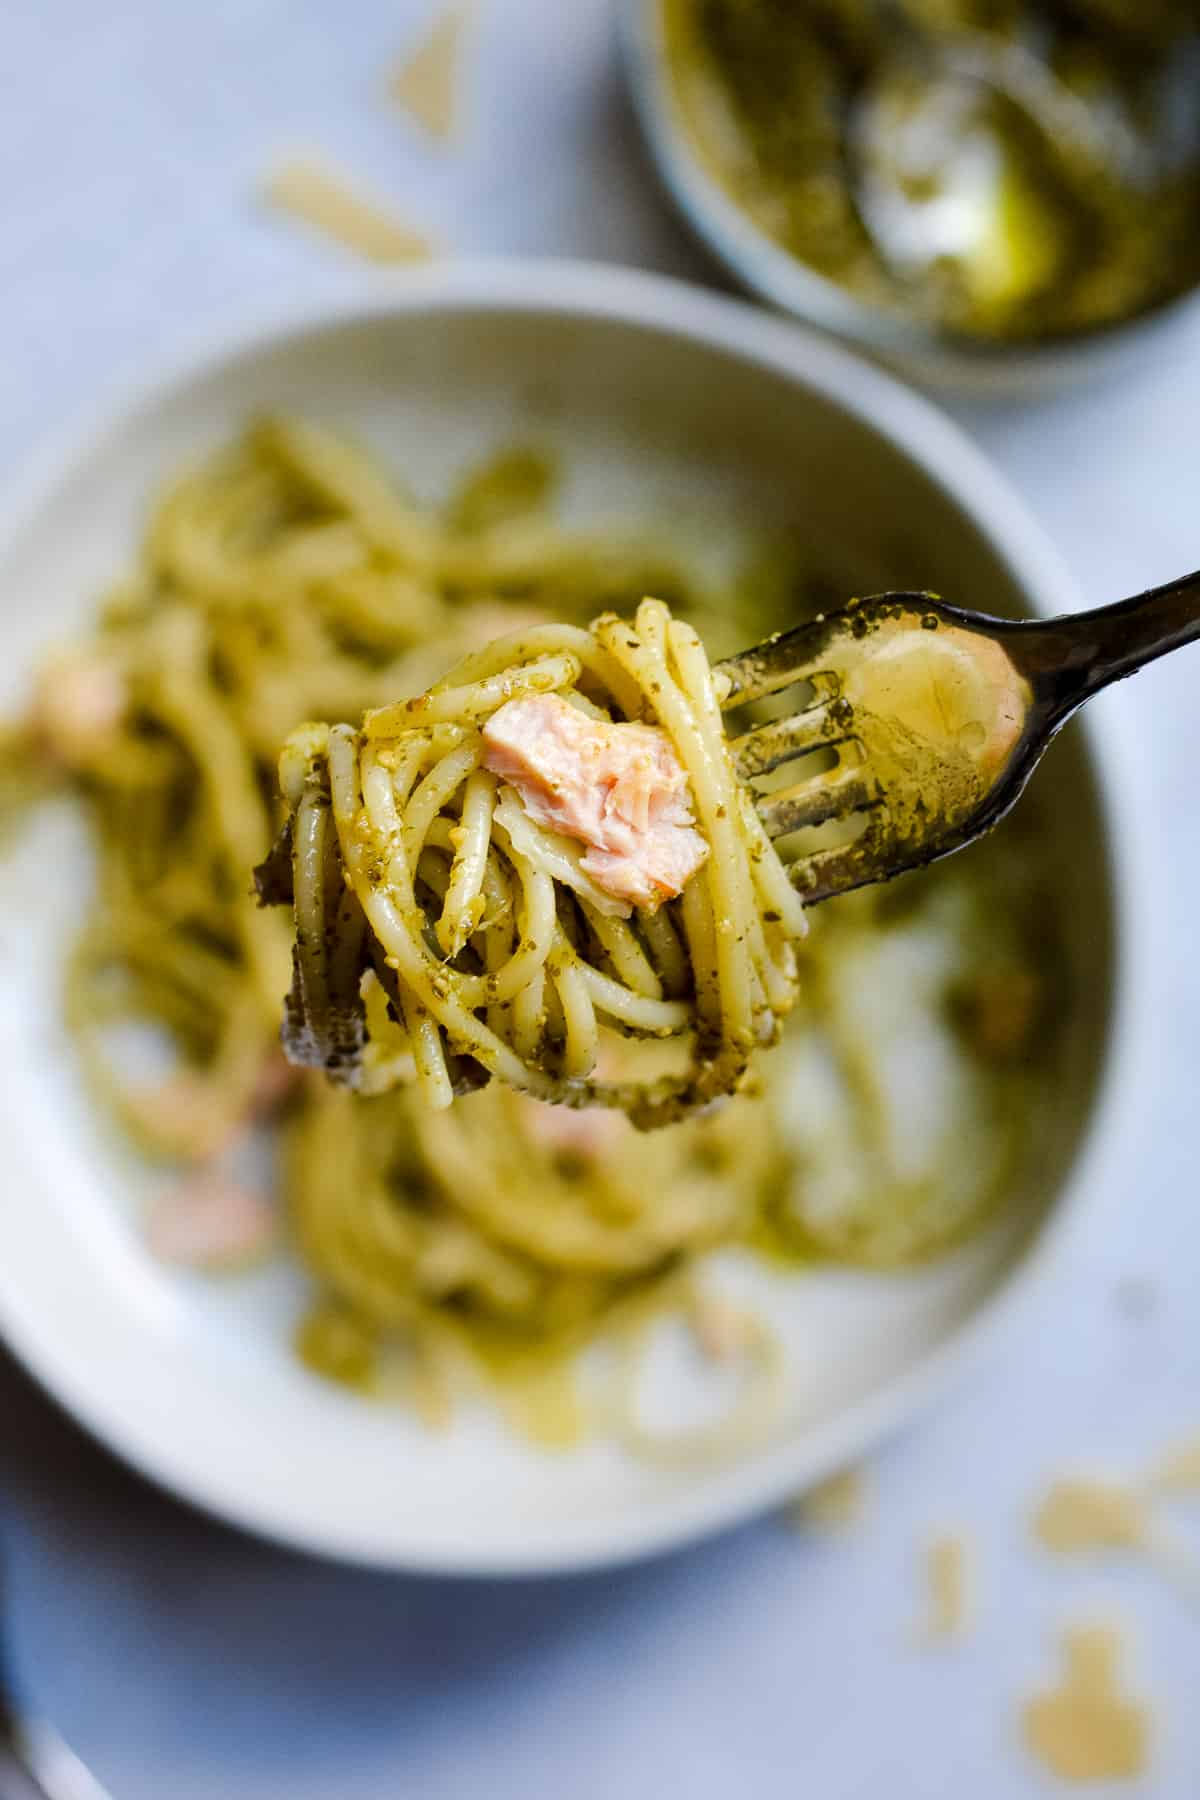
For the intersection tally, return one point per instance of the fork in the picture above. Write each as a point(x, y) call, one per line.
point(35, 1762)
point(936, 718)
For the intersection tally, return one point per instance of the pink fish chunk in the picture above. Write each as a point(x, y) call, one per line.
point(589, 1133)
point(618, 788)
point(210, 1222)
point(77, 709)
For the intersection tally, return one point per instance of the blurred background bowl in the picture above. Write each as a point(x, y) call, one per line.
point(668, 404)
point(762, 266)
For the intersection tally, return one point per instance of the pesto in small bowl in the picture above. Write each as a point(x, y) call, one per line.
point(1003, 171)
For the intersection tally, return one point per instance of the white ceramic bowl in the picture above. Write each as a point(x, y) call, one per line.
point(665, 400)
point(765, 268)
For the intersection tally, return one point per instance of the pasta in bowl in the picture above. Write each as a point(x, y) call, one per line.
point(739, 1299)
point(444, 935)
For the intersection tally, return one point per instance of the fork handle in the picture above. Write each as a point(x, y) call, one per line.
point(1070, 659)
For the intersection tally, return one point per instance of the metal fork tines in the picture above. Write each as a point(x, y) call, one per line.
point(937, 715)
point(912, 697)
point(824, 720)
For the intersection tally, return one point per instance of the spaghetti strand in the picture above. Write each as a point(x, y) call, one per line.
point(714, 967)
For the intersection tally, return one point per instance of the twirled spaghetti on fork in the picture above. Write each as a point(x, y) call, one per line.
point(550, 841)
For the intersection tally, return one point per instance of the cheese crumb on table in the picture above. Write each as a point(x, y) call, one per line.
point(321, 198)
point(832, 1505)
point(1177, 1471)
point(425, 82)
point(948, 1574)
point(1077, 1516)
point(1086, 1729)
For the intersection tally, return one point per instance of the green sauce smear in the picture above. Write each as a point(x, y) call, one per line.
point(995, 169)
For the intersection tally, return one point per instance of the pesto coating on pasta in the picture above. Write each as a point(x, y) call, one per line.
point(500, 952)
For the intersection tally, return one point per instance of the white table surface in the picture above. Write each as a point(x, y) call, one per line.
point(191, 1663)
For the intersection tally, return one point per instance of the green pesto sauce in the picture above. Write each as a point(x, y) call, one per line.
point(992, 168)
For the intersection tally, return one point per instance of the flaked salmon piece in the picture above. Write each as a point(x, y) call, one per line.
point(587, 1132)
point(278, 1080)
point(211, 1221)
point(617, 787)
point(184, 1115)
point(77, 708)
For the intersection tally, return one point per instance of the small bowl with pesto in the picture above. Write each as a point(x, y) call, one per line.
point(1000, 194)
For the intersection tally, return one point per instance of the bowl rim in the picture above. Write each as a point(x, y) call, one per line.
point(767, 269)
point(595, 293)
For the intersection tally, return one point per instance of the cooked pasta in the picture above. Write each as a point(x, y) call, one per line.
point(501, 953)
point(289, 578)
point(508, 1234)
